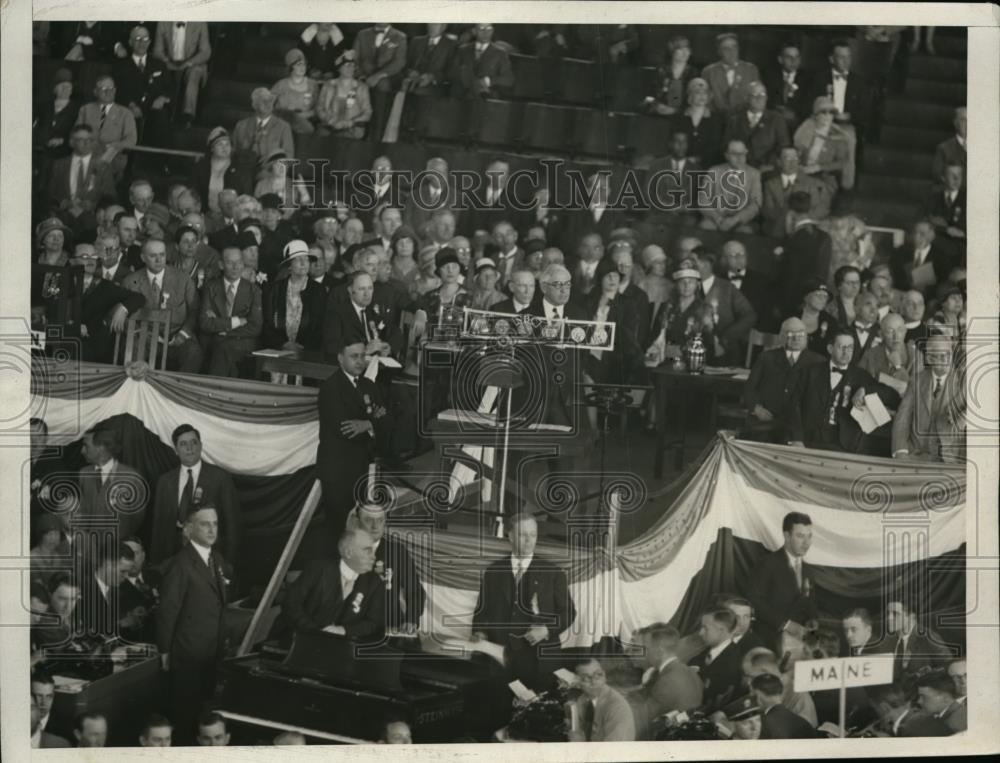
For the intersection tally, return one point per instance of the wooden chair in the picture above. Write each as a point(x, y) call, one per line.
point(762, 340)
point(146, 336)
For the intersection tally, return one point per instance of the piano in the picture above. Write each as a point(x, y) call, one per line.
point(323, 685)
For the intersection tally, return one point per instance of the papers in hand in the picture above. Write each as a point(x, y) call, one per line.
point(872, 415)
point(522, 692)
point(830, 728)
point(468, 648)
point(273, 353)
point(564, 675)
point(891, 381)
point(923, 276)
point(371, 372)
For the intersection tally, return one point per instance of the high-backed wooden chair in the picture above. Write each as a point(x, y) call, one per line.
point(733, 412)
point(762, 340)
point(146, 337)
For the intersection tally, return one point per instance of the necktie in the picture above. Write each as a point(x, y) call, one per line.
point(101, 475)
point(519, 572)
point(258, 138)
point(938, 385)
point(555, 313)
point(81, 178)
point(156, 293)
point(230, 298)
point(791, 358)
point(798, 572)
point(479, 51)
point(142, 64)
point(588, 719)
point(187, 495)
point(180, 25)
point(216, 572)
point(104, 115)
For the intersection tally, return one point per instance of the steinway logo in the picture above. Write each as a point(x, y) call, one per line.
point(441, 714)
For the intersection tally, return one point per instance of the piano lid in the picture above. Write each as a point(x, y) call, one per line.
point(333, 659)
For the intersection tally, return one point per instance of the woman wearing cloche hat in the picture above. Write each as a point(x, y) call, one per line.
point(683, 314)
point(820, 325)
point(293, 304)
point(344, 104)
point(296, 95)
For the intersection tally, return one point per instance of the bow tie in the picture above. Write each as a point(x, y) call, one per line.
point(179, 24)
point(863, 327)
point(838, 370)
point(838, 75)
point(737, 274)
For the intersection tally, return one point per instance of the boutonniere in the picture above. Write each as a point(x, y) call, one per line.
point(197, 495)
point(377, 309)
point(260, 278)
point(822, 329)
point(356, 602)
point(201, 277)
point(164, 300)
point(155, 74)
point(381, 326)
point(52, 285)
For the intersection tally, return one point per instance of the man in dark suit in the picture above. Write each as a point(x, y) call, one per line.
point(79, 181)
point(143, 85)
point(130, 252)
point(104, 310)
point(865, 326)
point(189, 632)
point(667, 684)
point(778, 188)
point(732, 313)
point(806, 252)
point(191, 483)
point(524, 605)
point(917, 649)
point(946, 205)
point(591, 213)
point(744, 636)
point(763, 131)
point(753, 285)
point(482, 69)
point(40, 738)
point(819, 412)
point(405, 596)
point(589, 253)
point(858, 634)
point(109, 488)
point(719, 665)
point(777, 721)
point(937, 696)
point(848, 89)
point(138, 595)
point(919, 264)
point(429, 61)
point(360, 319)
point(493, 203)
point(898, 716)
point(953, 150)
point(772, 379)
point(788, 87)
point(669, 180)
point(102, 615)
point(780, 587)
point(342, 595)
point(113, 262)
point(230, 319)
point(381, 56)
point(167, 288)
point(522, 290)
point(353, 428)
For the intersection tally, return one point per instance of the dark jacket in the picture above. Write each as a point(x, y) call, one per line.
point(781, 723)
point(493, 63)
point(901, 266)
point(214, 487)
point(342, 325)
point(140, 87)
point(316, 600)
point(337, 456)
point(775, 596)
point(811, 401)
point(807, 254)
point(764, 141)
point(505, 611)
point(856, 99)
point(722, 676)
point(99, 301)
point(798, 99)
point(310, 333)
point(192, 603)
point(771, 381)
point(402, 582)
point(437, 60)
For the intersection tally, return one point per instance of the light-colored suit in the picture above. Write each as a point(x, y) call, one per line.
point(932, 429)
point(730, 183)
point(277, 136)
point(178, 295)
point(115, 132)
point(726, 98)
point(735, 318)
point(197, 52)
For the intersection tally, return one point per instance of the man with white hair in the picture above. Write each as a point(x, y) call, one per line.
point(263, 134)
point(738, 200)
point(771, 380)
point(763, 131)
point(524, 605)
point(141, 81)
point(342, 595)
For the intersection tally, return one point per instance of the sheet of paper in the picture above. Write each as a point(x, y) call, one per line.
point(372, 371)
point(522, 692)
point(488, 648)
point(891, 381)
point(388, 362)
point(923, 276)
point(872, 415)
point(565, 675)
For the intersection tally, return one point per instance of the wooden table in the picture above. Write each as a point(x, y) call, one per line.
point(304, 364)
point(667, 380)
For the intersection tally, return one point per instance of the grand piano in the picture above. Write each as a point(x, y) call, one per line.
point(329, 685)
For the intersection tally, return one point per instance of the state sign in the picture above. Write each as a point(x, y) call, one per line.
point(843, 672)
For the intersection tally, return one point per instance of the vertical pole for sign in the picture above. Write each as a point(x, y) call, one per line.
point(843, 710)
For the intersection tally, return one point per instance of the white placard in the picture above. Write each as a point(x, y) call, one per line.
point(846, 672)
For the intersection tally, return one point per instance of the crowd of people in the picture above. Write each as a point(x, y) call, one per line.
point(239, 257)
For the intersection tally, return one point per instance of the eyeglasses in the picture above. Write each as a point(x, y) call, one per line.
point(558, 284)
point(827, 111)
point(140, 39)
point(589, 679)
point(105, 89)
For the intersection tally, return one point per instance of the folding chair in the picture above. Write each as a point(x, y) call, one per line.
point(147, 334)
